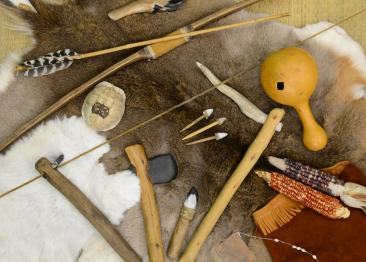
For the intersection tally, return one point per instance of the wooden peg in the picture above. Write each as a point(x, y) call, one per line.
point(218, 122)
point(205, 115)
point(217, 137)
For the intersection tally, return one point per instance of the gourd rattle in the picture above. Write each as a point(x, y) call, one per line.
point(289, 76)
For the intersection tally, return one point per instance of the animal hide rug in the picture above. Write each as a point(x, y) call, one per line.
point(37, 223)
point(153, 86)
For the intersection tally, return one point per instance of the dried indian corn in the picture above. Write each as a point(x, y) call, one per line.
point(326, 205)
point(315, 178)
point(352, 194)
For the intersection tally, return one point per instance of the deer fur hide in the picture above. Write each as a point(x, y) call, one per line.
point(37, 223)
point(153, 86)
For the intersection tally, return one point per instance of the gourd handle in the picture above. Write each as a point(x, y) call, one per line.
point(314, 136)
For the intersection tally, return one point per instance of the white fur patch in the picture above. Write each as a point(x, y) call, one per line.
point(97, 249)
point(7, 70)
point(19, 3)
point(37, 223)
point(14, 27)
point(342, 44)
point(335, 39)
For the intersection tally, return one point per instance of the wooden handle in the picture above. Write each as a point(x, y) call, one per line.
point(250, 159)
point(150, 211)
point(314, 136)
point(160, 48)
point(132, 8)
point(180, 232)
point(88, 209)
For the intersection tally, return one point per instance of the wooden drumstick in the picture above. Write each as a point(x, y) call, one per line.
point(150, 211)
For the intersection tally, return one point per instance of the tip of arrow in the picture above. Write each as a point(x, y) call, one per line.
point(199, 64)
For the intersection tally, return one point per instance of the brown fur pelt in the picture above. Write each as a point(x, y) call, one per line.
point(154, 86)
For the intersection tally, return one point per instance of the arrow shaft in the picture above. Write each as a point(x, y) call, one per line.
point(178, 36)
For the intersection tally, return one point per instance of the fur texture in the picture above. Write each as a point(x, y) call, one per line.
point(57, 2)
point(154, 86)
point(16, 39)
point(37, 223)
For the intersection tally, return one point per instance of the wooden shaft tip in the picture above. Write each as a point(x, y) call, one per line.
point(277, 111)
point(130, 9)
point(43, 162)
point(137, 156)
point(134, 147)
point(115, 15)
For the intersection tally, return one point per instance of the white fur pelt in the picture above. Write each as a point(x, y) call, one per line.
point(16, 39)
point(339, 42)
point(37, 223)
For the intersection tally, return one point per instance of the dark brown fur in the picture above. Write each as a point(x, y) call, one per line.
point(151, 87)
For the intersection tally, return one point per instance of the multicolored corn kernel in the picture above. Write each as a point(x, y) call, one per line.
point(315, 178)
point(323, 204)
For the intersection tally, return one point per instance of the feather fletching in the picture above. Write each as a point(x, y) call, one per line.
point(171, 6)
point(48, 64)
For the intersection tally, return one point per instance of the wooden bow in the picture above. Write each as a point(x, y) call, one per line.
point(153, 51)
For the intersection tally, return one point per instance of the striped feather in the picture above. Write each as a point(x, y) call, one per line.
point(48, 64)
point(171, 6)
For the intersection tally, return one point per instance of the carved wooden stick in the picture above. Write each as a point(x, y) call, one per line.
point(250, 159)
point(217, 122)
point(205, 115)
point(150, 210)
point(88, 209)
point(245, 106)
point(217, 137)
point(145, 6)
